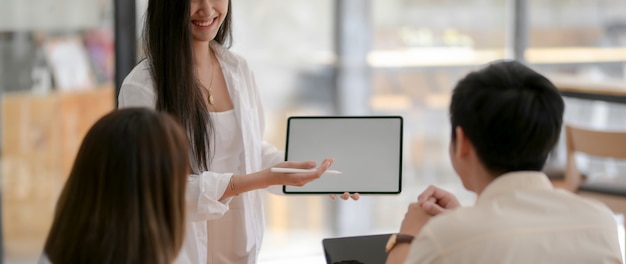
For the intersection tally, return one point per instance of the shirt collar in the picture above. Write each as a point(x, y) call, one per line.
point(514, 181)
point(222, 53)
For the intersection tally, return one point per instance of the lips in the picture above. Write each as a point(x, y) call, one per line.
point(204, 23)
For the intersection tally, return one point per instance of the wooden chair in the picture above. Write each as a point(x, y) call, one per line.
point(611, 191)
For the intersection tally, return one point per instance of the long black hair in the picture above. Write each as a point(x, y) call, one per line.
point(168, 39)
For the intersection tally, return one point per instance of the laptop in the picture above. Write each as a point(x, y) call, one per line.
point(356, 249)
point(367, 151)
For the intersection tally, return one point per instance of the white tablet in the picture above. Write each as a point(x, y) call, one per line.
point(367, 151)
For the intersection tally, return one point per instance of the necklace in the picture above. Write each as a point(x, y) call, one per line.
point(210, 89)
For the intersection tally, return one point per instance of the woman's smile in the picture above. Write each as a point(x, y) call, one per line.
point(204, 23)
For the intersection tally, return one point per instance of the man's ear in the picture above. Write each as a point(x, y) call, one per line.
point(463, 146)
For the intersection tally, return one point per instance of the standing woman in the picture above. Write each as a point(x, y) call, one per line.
point(190, 73)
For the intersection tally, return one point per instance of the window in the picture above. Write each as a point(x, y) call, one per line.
point(56, 75)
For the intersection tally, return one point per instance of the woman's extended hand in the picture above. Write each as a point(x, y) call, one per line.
point(262, 179)
point(299, 178)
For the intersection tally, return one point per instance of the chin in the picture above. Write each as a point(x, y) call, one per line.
point(203, 38)
point(203, 35)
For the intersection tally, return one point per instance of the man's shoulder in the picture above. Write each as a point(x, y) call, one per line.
point(521, 222)
point(509, 211)
point(587, 208)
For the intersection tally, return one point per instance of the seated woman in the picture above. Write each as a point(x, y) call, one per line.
point(124, 199)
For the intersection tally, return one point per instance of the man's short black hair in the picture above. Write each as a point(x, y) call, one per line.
point(510, 113)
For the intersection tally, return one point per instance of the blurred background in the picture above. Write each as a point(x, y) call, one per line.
point(58, 75)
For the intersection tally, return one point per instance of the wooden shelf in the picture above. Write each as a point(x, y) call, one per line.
point(576, 87)
point(40, 138)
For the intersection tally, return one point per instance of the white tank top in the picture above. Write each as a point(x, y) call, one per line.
point(227, 238)
point(228, 143)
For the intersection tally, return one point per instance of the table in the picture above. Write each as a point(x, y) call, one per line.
point(605, 90)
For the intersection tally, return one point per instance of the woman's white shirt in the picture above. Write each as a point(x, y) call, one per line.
point(235, 224)
point(43, 259)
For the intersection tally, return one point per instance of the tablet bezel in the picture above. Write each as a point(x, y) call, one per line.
point(400, 168)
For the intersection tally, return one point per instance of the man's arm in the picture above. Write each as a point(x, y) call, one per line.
point(414, 219)
point(431, 202)
point(398, 254)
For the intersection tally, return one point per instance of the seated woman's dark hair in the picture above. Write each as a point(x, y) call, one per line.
point(124, 199)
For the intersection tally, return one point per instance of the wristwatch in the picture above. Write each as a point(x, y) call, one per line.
point(395, 239)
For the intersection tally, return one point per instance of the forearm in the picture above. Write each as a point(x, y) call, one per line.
point(398, 254)
point(248, 182)
point(262, 179)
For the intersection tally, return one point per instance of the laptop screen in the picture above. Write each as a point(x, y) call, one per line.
point(356, 249)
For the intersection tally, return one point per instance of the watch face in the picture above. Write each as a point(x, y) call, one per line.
point(391, 242)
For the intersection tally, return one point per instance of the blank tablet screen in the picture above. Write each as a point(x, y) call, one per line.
point(367, 150)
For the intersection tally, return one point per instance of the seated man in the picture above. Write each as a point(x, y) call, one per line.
point(505, 120)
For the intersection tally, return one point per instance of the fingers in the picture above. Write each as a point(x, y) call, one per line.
point(346, 196)
point(431, 208)
point(308, 177)
point(301, 179)
point(297, 178)
point(431, 192)
point(298, 164)
point(325, 164)
point(440, 197)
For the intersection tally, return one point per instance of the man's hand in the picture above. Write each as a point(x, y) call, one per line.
point(435, 200)
point(414, 219)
